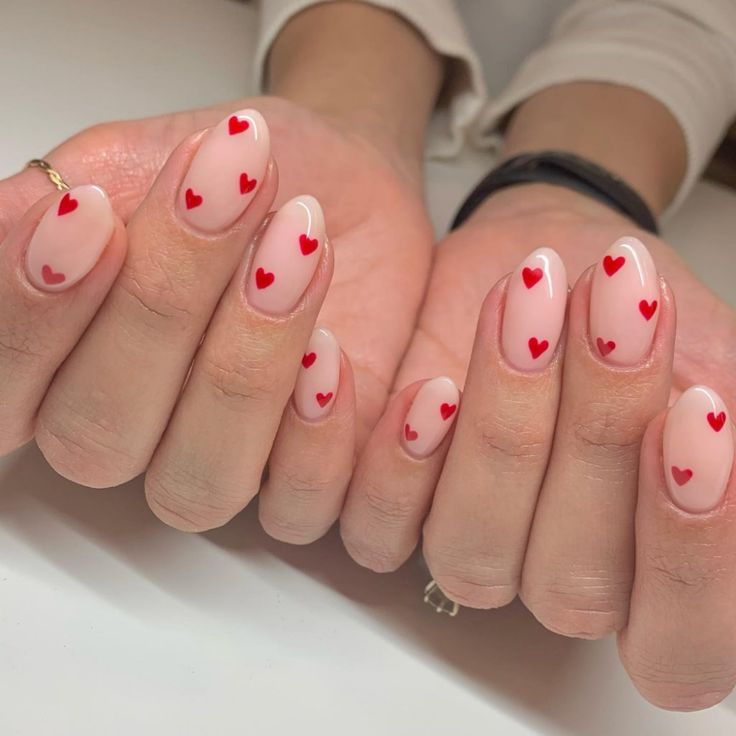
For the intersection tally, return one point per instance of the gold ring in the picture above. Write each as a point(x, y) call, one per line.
point(56, 178)
point(434, 597)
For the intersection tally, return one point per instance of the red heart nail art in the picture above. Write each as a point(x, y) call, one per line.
point(236, 125)
point(612, 265)
point(246, 184)
point(681, 476)
point(67, 204)
point(537, 348)
point(264, 278)
point(717, 422)
point(323, 399)
point(605, 347)
point(51, 277)
point(410, 434)
point(447, 410)
point(192, 200)
point(308, 245)
point(309, 359)
point(532, 276)
point(647, 309)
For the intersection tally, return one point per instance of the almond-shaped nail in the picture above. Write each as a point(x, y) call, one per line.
point(624, 303)
point(430, 416)
point(69, 239)
point(698, 450)
point(319, 376)
point(534, 311)
point(226, 172)
point(287, 256)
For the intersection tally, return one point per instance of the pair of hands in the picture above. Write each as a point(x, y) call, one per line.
point(100, 417)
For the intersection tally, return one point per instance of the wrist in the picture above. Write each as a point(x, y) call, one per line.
point(362, 67)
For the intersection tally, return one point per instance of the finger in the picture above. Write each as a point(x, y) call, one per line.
point(211, 459)
point(109, 404)
point(312, 458)
point(477, 531)
point(56, 266)
point(392, 486)
point(579, 563)
point(680, 643)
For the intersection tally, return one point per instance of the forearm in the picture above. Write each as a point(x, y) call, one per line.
point(362, 65)
point(624, 130)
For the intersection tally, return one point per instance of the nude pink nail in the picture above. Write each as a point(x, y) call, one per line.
point(624, 303)
point(698, 450)
point(430, 416)
point(287, 256)
point(319, 376)
point(226, 172)
point(69, 239)
point(534, 311)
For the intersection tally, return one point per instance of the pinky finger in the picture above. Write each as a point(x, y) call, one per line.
point(312, 458)
point(56, 266)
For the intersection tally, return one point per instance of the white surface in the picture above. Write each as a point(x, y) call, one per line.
point(112, 624)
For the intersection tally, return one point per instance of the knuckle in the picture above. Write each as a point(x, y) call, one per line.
point(84, 449)
point(288, 526)
point(680, 569)
point(509, 441)
point(584, 607)
point(391, 508)
point(377, 555)
point(605, 434)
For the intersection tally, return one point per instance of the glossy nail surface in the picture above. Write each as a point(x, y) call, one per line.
point(430, 416)
point(319, 376)
point(698, 450)
point(535, 311)
point(287, 256)
point(624, 303)
point(225, 173)
point(69, 239)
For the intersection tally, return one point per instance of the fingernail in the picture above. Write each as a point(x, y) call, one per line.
point(534, 311)
point(430, 416)
point(698, 450)
point(69, 239)
point(226, 172)
point(287, 256)
point(319, 376)
point(624, 303)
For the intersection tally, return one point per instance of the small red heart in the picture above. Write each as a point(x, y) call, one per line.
point(536, 348)
point(647, 309)
point(308, 359)
point(605, 347)
point(681, 476)
point(532, 276)
point(410, 433)
point(246, 184)
point(612, 265)
point(51, 277)
point(447, 410)
point(236, 125)
point(717, 422)
point(308, 245)
point(264, 278)
point(192, 200)
point(67, 204)
point(323, 399)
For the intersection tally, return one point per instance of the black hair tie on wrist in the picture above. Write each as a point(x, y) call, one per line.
point(565, 170)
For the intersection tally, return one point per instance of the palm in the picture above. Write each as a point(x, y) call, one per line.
point(375, 217)
point(470, 260)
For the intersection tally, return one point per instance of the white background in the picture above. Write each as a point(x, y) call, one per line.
point(111, 623)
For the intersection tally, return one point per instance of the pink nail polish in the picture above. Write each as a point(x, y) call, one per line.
point(69, 239)
point(226, 172)
point(624, 303)
point(287, 256)
point(534, 311)
point(319, 376)
point(698, 450)
point(430, 416)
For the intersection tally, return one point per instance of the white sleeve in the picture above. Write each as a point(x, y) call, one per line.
point(681, 52)
point(464, 91)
